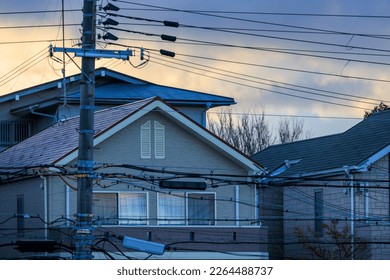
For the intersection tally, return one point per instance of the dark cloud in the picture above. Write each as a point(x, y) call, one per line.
point(252, 96)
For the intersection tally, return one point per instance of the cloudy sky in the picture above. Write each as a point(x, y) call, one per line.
point(326, 62)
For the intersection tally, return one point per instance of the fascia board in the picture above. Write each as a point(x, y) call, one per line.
point(362, 167)
point(375, 157)
point(117, 75)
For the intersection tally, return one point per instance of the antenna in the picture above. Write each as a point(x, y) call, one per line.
point(63, 54)
point(64, 111)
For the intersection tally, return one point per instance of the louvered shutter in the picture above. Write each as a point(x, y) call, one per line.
point(159, 140)
point(146, 149)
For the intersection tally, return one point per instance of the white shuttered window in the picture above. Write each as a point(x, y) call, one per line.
point(157, 137)
point(159, 140)
point(146, 147)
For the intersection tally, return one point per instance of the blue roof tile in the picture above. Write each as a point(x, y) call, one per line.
point(121, 91)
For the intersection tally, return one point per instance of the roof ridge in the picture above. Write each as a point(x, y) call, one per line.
point(146, 100)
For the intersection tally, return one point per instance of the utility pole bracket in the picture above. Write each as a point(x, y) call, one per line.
point(94, 53)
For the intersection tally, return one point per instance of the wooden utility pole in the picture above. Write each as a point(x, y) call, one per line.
point(85, 172)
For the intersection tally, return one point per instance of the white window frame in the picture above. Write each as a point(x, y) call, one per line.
point(119, 222)
point(215, 207)
point(184, 196)
point(160, 218)
point(104, 222)
point(123, 221)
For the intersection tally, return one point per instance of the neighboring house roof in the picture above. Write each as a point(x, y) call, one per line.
point(118, 88)
point(121, 91)
point(356, 148)
point(58, 144)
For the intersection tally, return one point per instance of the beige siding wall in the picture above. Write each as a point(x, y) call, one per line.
point(184, 153)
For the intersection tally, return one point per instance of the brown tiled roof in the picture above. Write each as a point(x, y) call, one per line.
point(60, 139)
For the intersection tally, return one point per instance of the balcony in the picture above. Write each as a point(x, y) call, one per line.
point(13, 132)
point(182, 242)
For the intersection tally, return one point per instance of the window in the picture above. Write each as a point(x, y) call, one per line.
point(318, 212)
point(133, 209)
point(171, 209)
point(105, 208)
point(120, 208)
point(201, 209)
point(158, 138)
point(186, 208)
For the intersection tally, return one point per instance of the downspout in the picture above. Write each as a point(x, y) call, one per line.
point(67, 204)
point(45, 204)
point(257, 205)
point(237, 189)
point(352, 199)
point(366, 203)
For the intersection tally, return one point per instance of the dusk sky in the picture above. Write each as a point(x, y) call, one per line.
point(326, 62)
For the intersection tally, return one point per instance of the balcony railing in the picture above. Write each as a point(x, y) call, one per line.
point(13, 132)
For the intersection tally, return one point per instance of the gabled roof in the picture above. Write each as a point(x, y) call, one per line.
point(357, 147)
point(118, 88)
point(58, 144)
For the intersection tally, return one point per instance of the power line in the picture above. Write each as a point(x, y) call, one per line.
point(215, 44)
point(260, 88)
point(240, 32)
point(246, 20)
point(263, 13)
point(299, 88)
point(288, 116)
point(158, 23)
point(269, 66)
point(26, 65)
point(37, 12)
point(38, 26)
point(37, 41)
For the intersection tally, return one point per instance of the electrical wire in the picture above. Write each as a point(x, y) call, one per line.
point(176, 173)
point(37, 12)
point(288, 14)
point(36, 41)
point(239, 31)
point(270, 66)
point(226, 45)
point(248, 20)
point(32, 61)
point(261, 88)
point(274, 83)
point(37, 26)
point(230, 31)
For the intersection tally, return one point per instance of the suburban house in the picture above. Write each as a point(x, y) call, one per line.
point(160, 176)
point(30, 110)
point(329, 197)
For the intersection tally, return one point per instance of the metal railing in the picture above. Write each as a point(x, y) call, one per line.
point(13, 132)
